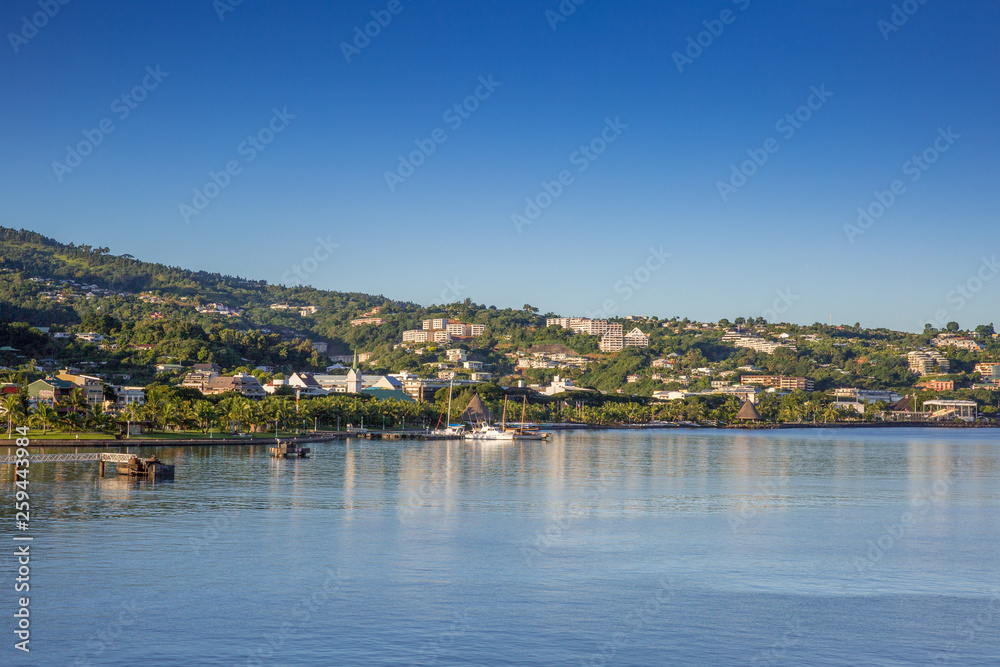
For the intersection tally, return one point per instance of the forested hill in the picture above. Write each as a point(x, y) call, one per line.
point(44, 282)
point(35, 255)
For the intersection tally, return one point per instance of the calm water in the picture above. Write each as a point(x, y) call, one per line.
point(689, 547)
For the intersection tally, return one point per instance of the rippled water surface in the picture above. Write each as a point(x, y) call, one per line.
point(681, 547)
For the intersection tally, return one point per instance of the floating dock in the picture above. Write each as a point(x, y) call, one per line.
point(148, 467)
point(289, 451)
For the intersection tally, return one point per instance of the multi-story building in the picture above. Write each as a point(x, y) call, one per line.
point(780, 382)
point(989, 370)
point(868, 395)
point(50, 391)
point(925, 362)
point(241, 383)
point(92, 387)
point(456, 354)
point(435, 324)
point(416, 336)
point(937, 385)
point(367, 320)
point(758, 344)
point(199, 379)
point(611, 343)
point(960, 342)
point(126, 396)
point(636, 338)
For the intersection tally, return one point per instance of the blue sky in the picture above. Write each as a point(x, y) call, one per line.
point(775, 243)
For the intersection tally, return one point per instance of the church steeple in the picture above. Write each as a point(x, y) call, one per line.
point(355, 382)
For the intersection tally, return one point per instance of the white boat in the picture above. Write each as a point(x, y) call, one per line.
point(487, 432)
point(450, 431)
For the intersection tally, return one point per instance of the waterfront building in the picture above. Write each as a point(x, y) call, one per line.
point(780, 382)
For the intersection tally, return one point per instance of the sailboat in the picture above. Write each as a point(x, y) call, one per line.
point(487, 432)
point(450, 430)
point(527, 432)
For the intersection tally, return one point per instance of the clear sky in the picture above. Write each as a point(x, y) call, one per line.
point(643, 125)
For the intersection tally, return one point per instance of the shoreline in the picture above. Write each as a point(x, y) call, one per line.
point(343, 435)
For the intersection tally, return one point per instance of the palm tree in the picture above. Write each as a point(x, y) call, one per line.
point(11, 407)
point(45, 416)
point(205, 413)
point(171, 415)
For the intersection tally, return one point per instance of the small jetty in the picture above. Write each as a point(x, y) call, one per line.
point(286, 450)
point(147, 467)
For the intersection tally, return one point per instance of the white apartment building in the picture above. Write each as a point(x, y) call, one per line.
point(758, 344)
point(611, 343)
point(636, 338)
point(435, 324)
point(923, 362)
point(960, 343)
point(416, 336)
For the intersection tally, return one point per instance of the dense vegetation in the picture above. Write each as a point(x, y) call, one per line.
point(150, 314)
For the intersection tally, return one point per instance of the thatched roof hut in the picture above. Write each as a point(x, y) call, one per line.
point(748, 412)
point(476, 411)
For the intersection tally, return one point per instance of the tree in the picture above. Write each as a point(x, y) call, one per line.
point(45, 417)
point(11, 407)
point(952, 326)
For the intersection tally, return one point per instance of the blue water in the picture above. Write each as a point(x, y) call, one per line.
point(683, 547)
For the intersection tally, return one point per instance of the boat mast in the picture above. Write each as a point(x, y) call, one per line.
point(503, 419)
point(450, 385)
